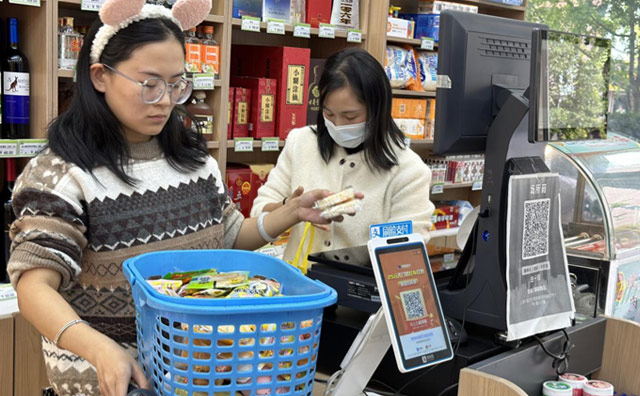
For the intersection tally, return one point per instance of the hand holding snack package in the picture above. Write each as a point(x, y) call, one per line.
point(338, 204)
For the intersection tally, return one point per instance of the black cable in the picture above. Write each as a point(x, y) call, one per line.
point(322, 381)
point(447, 389)
point(376, 381)
point(561, 360)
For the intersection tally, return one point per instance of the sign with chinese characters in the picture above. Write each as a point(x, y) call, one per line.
point(275, 26)
point(427, 44)
point(250, 24)
point(9, 148)
point(295, 84)
point(390, 229)
point(354, 36)
point(243, 145)
point(203, 81)
point(91, 5)
point(270, 144)
point(34, 3)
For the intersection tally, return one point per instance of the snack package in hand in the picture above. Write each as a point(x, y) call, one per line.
point(343, 202)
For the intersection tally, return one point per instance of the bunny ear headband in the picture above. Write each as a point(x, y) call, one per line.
point(118, 14)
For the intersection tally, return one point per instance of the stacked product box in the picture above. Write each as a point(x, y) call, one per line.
point(317, 12)
point(444, 216)
point(410, 115)
point(427, 20)
point(290, 67)
point(241, 112)
point(251, 8)
point(243, 182)
point(230, 112)
point(458, 169)
point(263, 104)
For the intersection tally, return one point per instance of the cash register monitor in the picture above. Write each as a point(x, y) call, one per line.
point(476, 53)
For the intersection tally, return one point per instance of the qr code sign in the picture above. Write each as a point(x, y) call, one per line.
point(413, 304)
point(535, 238)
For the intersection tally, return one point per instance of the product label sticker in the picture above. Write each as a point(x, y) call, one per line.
point(203, 81)
point(35, 3)
point(91, 5)
point(354, 36)
point(250, 24)
point(275, 26)
point(31, 147)
point(302, 30)
point(243, 145)
point(427, 43)
point(385, 230)
point(270, 144)
point(437, 188)
point(8, 148)
point(327, 31)
point(266, 108)
point(477, 185)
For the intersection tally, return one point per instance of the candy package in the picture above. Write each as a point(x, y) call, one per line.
point(401, 68)
point(428, 67)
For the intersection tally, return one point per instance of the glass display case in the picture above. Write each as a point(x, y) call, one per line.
point(600, 199)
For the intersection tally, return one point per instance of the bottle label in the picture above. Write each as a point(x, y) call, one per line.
point(295, 84)
point(266, 108)
point(206, 123)
point(210, 54)
point(16, 97)
point(193, 60)
point(242, 113)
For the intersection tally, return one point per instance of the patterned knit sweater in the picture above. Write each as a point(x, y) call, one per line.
point(85, 227)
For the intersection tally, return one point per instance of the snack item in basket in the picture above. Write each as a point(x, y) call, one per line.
point(227, 280)
point(186, 277)
point(166, 286)
point(349, 208)
point(208, 293)
point(343, 196)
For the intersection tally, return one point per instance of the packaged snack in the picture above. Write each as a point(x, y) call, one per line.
point(401, 68)
point(428, 67)
point(186, 277)
point(597, 388)
point(343, 196)
point(556, 388)
point(349, 208)
point(166, 286)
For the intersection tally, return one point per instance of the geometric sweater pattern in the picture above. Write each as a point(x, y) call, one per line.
point(85, 226)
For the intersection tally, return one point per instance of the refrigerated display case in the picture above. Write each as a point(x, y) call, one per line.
point(600, 199)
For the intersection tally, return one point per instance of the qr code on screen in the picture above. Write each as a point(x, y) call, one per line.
point(535, 236)
point(413, 304)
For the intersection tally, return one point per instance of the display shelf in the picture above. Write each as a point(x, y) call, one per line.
point(419, 94)
point(213, 145)
point(215, 18)
point(70, 2)
point(288, 28)
point(66, 73)
point(420, 143)
point(416, 42)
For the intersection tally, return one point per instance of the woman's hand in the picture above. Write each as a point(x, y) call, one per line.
point(116, 368)
point(306, 212)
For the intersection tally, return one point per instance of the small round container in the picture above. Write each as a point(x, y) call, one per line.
point(556, 388)
point(576, 381)
point(597, 388)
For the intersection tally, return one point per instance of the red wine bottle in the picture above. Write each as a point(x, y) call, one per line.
point(15, 86)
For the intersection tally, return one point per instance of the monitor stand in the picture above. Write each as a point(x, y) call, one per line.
point(477, 291)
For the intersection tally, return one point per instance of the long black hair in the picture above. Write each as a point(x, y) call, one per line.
point(357, 69)
point(89, 135)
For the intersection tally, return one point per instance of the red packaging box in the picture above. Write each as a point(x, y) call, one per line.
point(290, 67)
point(263, 104)
point(241, 112)
point(238, 179)
point(445, 216)
point(318, 11)
point(259, 175)
point(230, 112)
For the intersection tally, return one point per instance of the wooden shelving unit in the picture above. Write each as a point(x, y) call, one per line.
point(417, 94)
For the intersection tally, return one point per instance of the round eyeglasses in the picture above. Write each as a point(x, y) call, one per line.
point(154, 88)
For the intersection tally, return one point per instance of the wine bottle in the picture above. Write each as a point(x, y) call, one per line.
point(7, 212)
point(15, 81)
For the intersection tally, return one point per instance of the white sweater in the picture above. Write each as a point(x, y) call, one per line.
point(401, 193)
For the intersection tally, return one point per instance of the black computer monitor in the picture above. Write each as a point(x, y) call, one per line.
point(475, 53)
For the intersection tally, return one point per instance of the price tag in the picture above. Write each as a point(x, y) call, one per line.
point(91, 5)
point(354, 36)
point(243, 145)
point(437, 188)
point(327, 31)
point(302, 30)
point(477, 185)
point(31, 147)
point(34, 3)
point(8, 148)
point(203, 81)
point(275, 26)
point(250, 24)
point(427, 44)
point(270, 144)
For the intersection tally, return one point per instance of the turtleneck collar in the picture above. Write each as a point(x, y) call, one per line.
point(145, 151)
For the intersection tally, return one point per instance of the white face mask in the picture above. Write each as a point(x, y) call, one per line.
point(347, 136)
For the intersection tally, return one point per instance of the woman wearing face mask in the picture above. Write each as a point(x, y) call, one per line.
point(355, 143)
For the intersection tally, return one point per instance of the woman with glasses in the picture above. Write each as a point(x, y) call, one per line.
point(121, 176)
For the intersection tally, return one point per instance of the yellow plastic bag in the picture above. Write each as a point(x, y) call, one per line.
point(299, 261)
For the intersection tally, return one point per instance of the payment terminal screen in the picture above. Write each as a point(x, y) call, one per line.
point(411, 298)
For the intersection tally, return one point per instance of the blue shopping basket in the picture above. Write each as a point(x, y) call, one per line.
point(227, 347)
